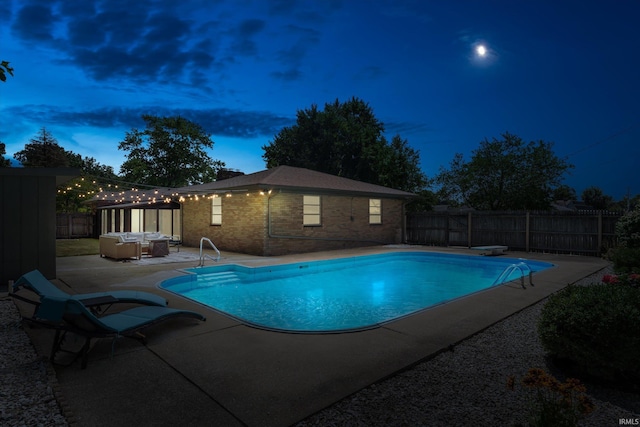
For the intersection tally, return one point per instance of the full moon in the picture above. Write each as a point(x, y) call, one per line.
point(481, 50)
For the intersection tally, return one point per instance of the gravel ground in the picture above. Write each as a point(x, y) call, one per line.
point(27, 392)
point(463, 386)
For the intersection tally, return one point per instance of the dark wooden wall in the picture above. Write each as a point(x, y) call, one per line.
point(28, 220)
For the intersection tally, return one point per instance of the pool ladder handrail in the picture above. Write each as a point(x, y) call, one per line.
point(521, 266)
point(203, 255)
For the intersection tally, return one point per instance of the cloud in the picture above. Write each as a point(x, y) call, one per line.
point(151, 41)
point(292, 56)
point(35, 23)
point(244, 43)
point(119, 40)
point(221, 122)
point(404, 128)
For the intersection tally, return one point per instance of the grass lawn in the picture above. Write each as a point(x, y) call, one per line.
point(74, 247)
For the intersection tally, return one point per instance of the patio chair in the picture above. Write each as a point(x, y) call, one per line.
point(70, 315)
point(35, 282)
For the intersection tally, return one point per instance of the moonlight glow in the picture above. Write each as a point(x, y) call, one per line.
point(481, 50)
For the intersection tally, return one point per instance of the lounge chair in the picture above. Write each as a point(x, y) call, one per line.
point(35, 282)
point(70, 315)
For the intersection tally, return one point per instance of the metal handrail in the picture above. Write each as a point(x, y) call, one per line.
point(203, 255)
point(507, 271)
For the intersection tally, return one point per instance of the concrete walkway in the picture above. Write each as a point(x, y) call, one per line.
point(223, 373)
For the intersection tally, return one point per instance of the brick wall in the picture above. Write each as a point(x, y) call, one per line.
point(245, 224)
point(344, 224)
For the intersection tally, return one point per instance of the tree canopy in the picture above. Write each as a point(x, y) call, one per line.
point(73, 194)
point(4, 163)
point(505, 174)
point(4, 70)
point(170, 152)
point(595, 197)
point(43, 151)
point(346, 139)
point(564, 192)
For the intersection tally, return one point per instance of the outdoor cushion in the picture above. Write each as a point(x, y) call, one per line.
point(35, 282)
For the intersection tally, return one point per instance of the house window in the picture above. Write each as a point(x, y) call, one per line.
point(311, 210)
point(150, 220)
point(375, 211)
point(216, 211)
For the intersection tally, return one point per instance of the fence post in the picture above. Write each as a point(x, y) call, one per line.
point(469, 229)
point(599, 230)
point(527, 233)
point(447, 231)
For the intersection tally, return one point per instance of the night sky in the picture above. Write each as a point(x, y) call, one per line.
point(560, 71)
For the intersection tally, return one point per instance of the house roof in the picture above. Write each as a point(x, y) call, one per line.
point(293, 179)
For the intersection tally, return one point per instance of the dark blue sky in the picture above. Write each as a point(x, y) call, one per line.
point(558, 71)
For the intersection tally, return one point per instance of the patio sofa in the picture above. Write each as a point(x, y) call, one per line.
point(116, 247)
point(145, 240)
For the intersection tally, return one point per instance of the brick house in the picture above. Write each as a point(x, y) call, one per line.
point(291, 210)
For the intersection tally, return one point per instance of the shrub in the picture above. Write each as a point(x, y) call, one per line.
point(632, 280)
point(596, 328)
point(625, 260)
point(628, 229)
point(553, 403)
point(626, 257)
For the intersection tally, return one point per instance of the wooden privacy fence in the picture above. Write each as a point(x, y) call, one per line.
point(74, 225)
point(581, 233)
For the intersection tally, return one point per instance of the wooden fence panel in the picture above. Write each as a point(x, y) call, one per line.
point(427, 228)
point(508, 228)
point(582, 233)
point(458, 229)
point(74, 225)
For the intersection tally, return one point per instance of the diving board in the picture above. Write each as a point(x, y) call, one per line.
point(491, 250)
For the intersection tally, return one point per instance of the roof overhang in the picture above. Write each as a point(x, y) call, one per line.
point(141, 205)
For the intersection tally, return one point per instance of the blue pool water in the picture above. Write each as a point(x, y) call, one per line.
point(343, 294)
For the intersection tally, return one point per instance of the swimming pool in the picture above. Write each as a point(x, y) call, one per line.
point(344, 294)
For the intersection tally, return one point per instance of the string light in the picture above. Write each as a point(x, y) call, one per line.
point(89, 188)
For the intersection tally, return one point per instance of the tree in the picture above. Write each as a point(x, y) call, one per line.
point(43, 151)
point(4, 163)
point(398, 166)
point(170, 152)
point(72, 195)
point(564, 192)
point(425, 201)
point(4, 70)
point(346, 139)
point(504, 174)
point(594, 197)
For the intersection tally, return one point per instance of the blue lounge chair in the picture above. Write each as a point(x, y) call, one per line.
point(70, 315)
point(35, 282)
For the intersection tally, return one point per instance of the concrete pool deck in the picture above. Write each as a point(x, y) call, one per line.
point(221, 372)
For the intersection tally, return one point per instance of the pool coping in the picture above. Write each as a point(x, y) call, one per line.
point(223, 371)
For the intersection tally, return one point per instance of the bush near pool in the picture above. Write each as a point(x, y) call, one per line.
point(595, 328)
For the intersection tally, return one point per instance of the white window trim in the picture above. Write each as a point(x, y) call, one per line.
point(375, 211)
point(311, 210)
point(216, 210)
